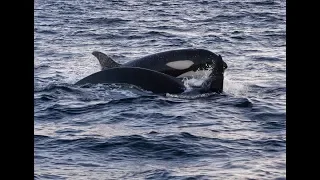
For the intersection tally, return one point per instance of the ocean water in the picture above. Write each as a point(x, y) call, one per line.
point(119, 132)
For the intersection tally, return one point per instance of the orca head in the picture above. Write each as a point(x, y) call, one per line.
point(225, 66)
point(219, 65)
point(200, 66)
point(214, 83)
point(190, 63)
point(207, 60)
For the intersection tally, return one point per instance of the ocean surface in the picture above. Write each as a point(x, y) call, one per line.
point(120, 132)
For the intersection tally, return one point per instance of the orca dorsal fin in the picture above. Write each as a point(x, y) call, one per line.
point(104, 60)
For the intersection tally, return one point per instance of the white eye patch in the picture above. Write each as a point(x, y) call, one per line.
point(184, 64)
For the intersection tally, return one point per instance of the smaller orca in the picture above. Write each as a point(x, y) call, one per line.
point(146, 79)
point(178, 63)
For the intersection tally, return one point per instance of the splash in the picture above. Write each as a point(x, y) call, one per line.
point(197, 79)
point(194, 81)
point(236, 88)
point(233, 87)
point(188, 96)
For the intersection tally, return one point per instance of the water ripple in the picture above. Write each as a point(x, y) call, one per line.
point(122, 132)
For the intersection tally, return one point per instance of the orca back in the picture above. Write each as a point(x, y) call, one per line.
point(146, 79)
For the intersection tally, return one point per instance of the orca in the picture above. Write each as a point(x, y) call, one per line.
point(155, 81)
point(178, 63)
point(146, 79)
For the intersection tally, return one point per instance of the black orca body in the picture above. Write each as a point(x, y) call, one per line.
point(176, 63)
point(147, 79)
point(155, 81)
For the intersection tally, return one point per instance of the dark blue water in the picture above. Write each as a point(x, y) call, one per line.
point(116, 132)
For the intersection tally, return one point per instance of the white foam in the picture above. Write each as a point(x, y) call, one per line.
point(198, 73)
point(196, 79)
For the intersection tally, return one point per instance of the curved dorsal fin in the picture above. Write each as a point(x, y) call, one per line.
point(104, 60)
